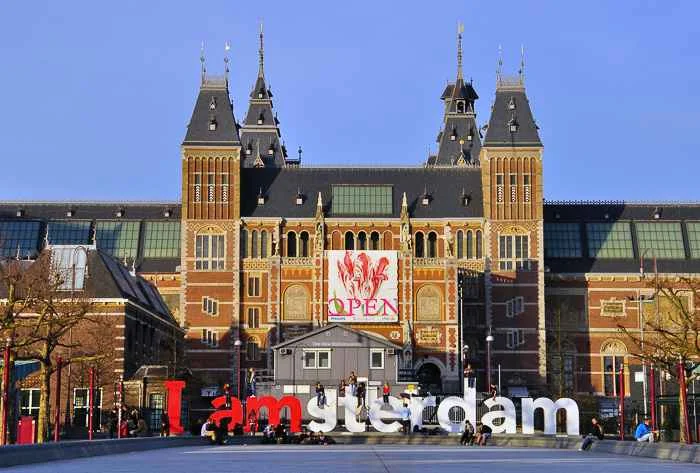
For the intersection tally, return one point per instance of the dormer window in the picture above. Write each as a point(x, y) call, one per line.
point(425, 200)
point(167, 213)
point(261, 197)
point(69, 213)
point(453, 136)
point(466, 199)
point(513, 124)
point(511, 104)
point(261, 118)
point(212, 124)
point(460, 106)
point(20, 212)
point(300, 198)
point(212, 103)
point(470, 137)
point(119, 213)
point(271, 150)
point(261, 92)
point(249, 149)
point(657, 213)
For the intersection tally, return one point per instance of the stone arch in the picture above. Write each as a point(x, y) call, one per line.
point(613, 346)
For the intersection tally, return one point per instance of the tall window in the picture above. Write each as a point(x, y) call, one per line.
point(210, 306)
point(470, 245)
point(513, 188)
point(362, 241)
point(609, 240)
point(81, 403)
point(460, 244)
point(420, 245)
point(291, 244)
point(224, 188)
point(613, 359)
point(197, 187)
point(513, 252)
point(479, 245)
point(693, 229)
point(244, 243)
point(515, 338)
point(304, 244)
point(499, 188)
point(254, 244)
point(253, 317)
point(254, 286)
point(210, 338)
point(349, 241)
point(526, 187)
point(211, 189)
point(29, 402)
point(209, 252)
point(252, 349)
point(374, 241)
point(432, 245)
point(263, 244)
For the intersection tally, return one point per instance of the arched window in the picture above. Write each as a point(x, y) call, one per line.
point(362, 241)
point(263, 244)
point(295, 303)
point(254, 244)
point(388, 243)
point(252, 349)
point(460, 244)
point(349, 241)
point(304, 244)
point(244, 243)
point(374, 241)
point(420, 245)
point(291, 244)
point(432, 245)
point(613, 357)
point(479, 250)
point(470, 244)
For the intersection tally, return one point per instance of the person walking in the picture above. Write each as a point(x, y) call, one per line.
point(164, 425)
point(406, 419)
point(595, 432)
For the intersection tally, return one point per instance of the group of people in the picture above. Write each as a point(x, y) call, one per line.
point(357, 389)
point(478, 436)
point(132, 423)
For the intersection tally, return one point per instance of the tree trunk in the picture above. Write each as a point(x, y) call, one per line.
point(45, 396)
point(681, 415)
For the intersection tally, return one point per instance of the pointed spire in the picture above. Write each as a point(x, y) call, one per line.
point(404, 206)
point(521, 71)
point(261, 54)
point(319, 201)
point(227, 47)
point(460, 30)
point(202, 60)
point(499, 68)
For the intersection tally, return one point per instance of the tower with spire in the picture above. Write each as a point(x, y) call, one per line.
point(260, 133)
point(459, 141)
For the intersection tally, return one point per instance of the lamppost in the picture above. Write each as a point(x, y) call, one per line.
point(238, 344)
point(465, 351)
point(642, 323)
point(6, 391)
point(489, 340)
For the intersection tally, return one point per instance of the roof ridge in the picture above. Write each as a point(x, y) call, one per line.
point(92, 202)
point(621, 202)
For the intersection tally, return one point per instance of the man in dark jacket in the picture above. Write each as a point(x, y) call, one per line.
point(595, 432)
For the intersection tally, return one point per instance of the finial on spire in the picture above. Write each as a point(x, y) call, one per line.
point(202, 60)
point(521, 72)
point(460, 30)
point(227, 47)
point(499, 68)
point(261, 53)
point(319, 201)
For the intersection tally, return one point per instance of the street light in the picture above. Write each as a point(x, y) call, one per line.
point(465, 351)
point(489, 340)
point(238, 344)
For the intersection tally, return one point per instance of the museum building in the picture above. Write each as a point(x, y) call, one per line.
point(426, 260)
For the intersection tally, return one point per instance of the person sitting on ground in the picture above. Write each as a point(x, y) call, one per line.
point(467, 437)
point(483, 433)
point(280, 433)
point(204, 431)
point(595, 432)
point(141, 429)
point(644, 432)
point(323, 439)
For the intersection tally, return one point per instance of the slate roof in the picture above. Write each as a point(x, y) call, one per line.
point(498, 132)
point(332, 326)
point(445, 187)
point(198, 132)
point(606, 212)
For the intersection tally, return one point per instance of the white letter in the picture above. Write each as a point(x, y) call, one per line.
point(507, 414)
point(549, 410)
point(327, 413)
point(443, 413)
point(376, 414)
point(350, 412)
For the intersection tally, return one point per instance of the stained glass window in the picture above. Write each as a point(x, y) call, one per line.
point(609, 240)
point(120, 239)
point(664, 238)
point(362, 200)
point(562, 240)
point(22, 235)
point(161, 240)
point(693, 238)
point(76, 232)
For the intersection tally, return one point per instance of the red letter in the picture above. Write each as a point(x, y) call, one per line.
point(274, 407)
point(235, 413)
point(394, 308)
point(352, 303)
point(174, 389)
point(371, 307)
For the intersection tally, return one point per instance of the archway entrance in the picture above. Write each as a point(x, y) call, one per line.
point(430, 378)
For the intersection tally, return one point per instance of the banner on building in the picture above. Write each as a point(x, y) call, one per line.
point(363, 286)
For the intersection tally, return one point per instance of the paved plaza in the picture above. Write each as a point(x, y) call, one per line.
point(365, 459)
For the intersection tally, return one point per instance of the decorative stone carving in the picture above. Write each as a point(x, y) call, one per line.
point(449, 239)
point(428, 304)
point(296, 303)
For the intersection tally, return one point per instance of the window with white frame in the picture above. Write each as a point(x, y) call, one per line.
point(515, 338)
point(253, 317)
point(515, 306)
point(376, 358)
point(209, 252)
point(81, 405)
point(513, 252)
point(210, 338)
point(317, 359)
point(254, 286)
point(29, 402)
point(210, 306)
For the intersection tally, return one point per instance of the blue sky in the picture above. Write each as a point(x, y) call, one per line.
point(95, 96)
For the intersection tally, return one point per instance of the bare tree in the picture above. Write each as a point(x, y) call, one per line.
point(670, 337)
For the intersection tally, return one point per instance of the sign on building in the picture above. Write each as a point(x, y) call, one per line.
point(362, 286)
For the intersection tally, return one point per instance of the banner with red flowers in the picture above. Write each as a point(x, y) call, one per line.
point(362, 286)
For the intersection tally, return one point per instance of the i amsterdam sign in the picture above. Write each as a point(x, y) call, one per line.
point(383, 419)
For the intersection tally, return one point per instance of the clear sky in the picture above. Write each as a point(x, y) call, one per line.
point(95, 96)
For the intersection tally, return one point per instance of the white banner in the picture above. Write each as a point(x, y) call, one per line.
point(363, 286)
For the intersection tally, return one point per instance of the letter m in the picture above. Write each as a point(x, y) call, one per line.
point(549, 410)
point(274, 407)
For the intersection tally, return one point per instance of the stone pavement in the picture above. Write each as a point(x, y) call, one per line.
point(360, 458)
